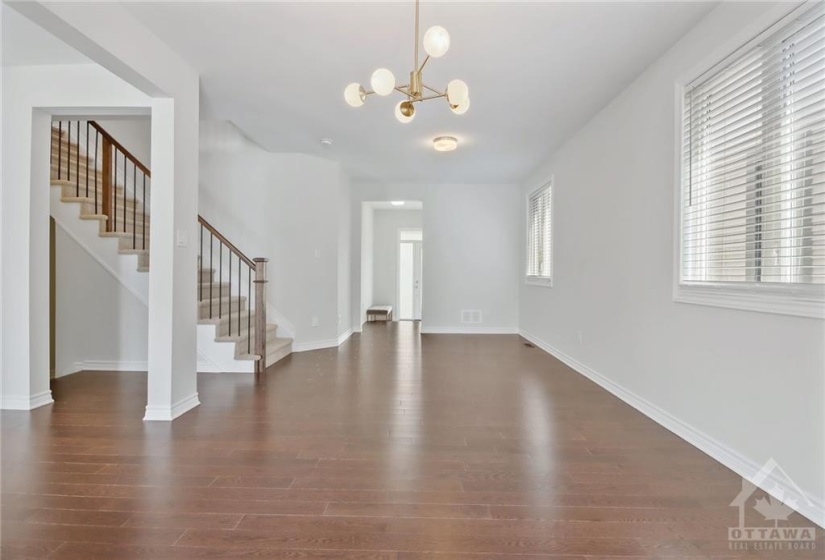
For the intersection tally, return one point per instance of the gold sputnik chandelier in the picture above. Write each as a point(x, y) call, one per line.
point(436, 43)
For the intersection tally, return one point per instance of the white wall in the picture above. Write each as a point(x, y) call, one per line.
point(134, 133)
point(385, 268)
point(469, 261)
point(285, 207)
point(753, 382)
point(99, 324)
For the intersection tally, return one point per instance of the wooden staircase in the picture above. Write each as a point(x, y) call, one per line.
point(109, 185)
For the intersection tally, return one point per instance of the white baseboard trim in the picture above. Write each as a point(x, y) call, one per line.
point(735, 461)
point(321, 344)
point(169, 413)
point(24, 402)
point(112, 365)
point(316, 345)
point(204, 366)
point(468, 330)
point(344, 337)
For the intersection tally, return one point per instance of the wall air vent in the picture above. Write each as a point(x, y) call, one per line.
point(471, 316)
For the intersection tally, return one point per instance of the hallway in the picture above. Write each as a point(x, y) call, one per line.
point(393, 446)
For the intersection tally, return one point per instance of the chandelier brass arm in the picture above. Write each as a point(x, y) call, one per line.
point(436, 44)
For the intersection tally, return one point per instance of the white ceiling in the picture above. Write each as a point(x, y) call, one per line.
point(25, 43)
point(536, 71)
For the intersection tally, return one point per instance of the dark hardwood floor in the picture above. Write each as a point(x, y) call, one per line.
point(393, 447)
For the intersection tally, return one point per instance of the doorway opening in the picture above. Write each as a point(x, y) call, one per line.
point(410, 266)
point(392, 274)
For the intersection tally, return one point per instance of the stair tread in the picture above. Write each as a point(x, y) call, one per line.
point(72, 183)
point(221, 321)
point(279, 344)
point(270, 328)
point(90, 200)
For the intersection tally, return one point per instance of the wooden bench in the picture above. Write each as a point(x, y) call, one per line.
point(379, 312)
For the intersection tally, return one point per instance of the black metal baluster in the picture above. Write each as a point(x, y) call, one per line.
point(69, 152)
point(249, 315)
point(211, 243)
point(77, 167)
point(239, 296)
point(200, 256)
point(59, 149)
point(143, 219)
point(230, 292)
point(87, 159)
point(97, 138)
point(134, 206)
point(113, 209)
point(220, 280)
point(125, 166)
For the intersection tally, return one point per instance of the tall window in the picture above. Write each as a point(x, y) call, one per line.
point(753, 174)
point(539, 235)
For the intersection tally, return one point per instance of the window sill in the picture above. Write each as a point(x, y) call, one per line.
point(536, 281)
point(797, 301)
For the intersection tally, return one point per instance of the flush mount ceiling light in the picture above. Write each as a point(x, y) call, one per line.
point(445, 143)
point(436, 43)
point(397, 202)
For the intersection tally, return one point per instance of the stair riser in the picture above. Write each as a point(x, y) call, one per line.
point(278, 355)
point(221, 310)
point(132, 213)
point(129, 229)
point(242, 348)
point(222, 330)
point(143, 260)
point(135, 242)
point(65, 153)
point(74, 179)
point(73, 176)
point(68, 191)
point(204, 293)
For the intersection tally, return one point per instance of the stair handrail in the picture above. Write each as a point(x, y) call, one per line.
point(225, 241)
point(258, 267)
point(121, 148)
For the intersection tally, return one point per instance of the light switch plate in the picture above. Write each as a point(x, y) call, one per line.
point(181, 239)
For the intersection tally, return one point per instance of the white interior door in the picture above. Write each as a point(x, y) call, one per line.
point(410, 286)
point(418, 253)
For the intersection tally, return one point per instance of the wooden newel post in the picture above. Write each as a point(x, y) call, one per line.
point(107, 183)
point(260, 313)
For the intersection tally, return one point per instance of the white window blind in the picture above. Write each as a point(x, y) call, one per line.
point(753, 177)
point(539, 246)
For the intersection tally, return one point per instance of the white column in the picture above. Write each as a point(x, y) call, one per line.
point(25, 250)
point(172, 265)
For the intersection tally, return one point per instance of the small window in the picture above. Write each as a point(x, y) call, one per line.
point(410, 235)
point(753, 171)
point(539, 236)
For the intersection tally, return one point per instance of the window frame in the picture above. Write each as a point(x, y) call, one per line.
point(801, 300)
point(532, 280)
